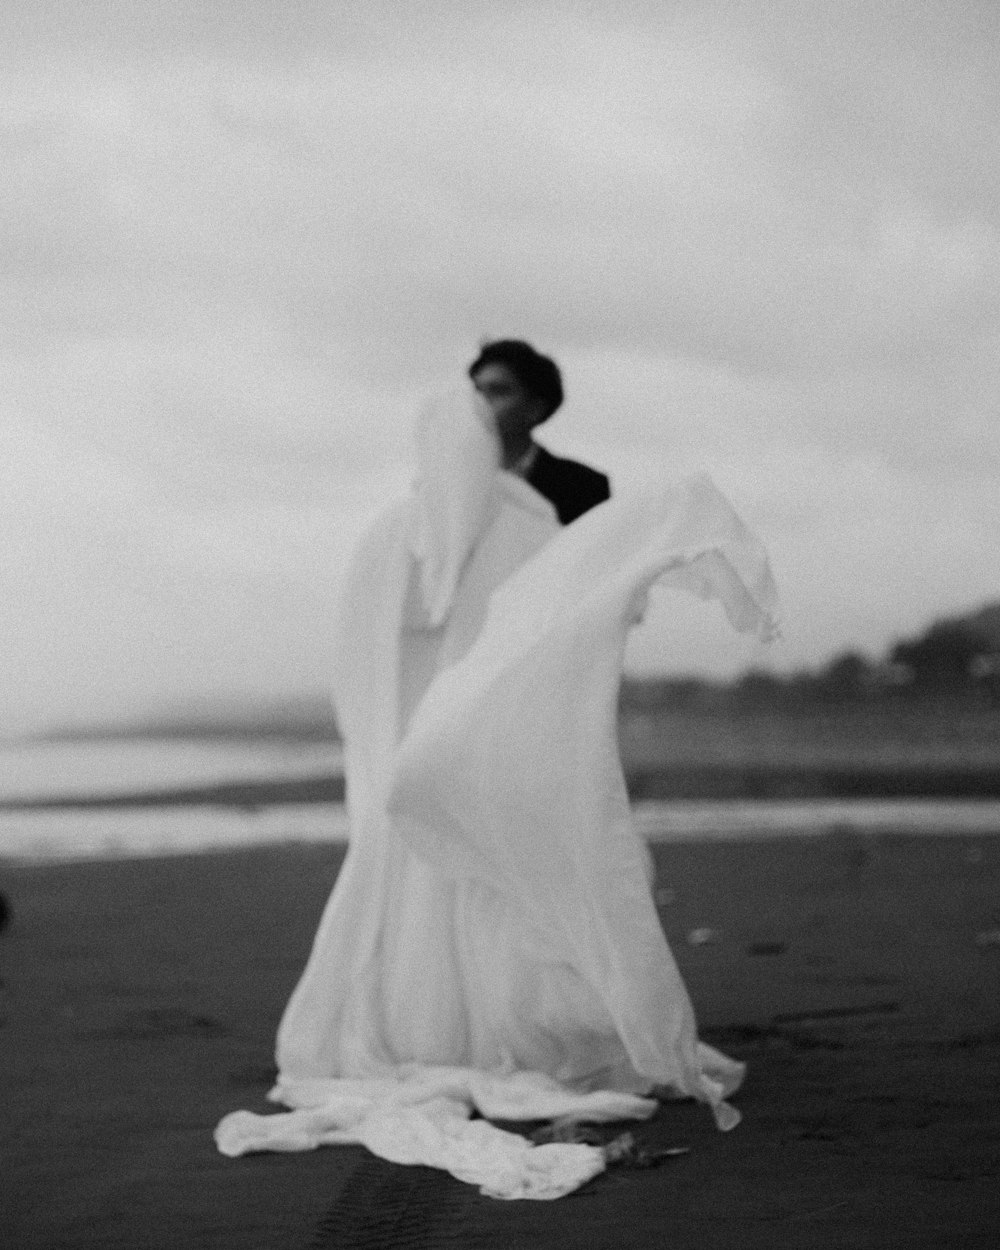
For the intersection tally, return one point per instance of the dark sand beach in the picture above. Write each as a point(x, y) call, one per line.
point(858, 976)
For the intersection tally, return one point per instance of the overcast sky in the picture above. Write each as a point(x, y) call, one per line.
point(241, 240)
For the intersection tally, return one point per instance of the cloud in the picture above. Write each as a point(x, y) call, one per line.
point(626, 186)
point(243, 240)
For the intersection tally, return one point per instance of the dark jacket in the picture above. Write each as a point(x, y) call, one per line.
point(572, 488)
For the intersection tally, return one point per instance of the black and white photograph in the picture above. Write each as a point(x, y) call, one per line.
point(500, 624)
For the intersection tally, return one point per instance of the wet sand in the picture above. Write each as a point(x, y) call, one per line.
point(858, 976)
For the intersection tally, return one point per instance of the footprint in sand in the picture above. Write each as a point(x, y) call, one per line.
point(165, 1022)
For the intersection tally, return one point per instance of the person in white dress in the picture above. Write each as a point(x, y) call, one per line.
point(491, 945)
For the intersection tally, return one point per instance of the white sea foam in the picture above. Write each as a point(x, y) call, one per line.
point(42, 835)
point(112, 833)
point(740, 819)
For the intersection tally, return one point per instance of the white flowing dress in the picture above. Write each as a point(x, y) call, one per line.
point(491, 943)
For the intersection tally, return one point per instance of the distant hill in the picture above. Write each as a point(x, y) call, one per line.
point(302, 718)
point(986, 623)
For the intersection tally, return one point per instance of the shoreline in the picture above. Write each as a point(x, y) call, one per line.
point(67, 835)
point(695, 783)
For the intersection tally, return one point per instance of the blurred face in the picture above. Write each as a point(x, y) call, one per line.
point(515, 411)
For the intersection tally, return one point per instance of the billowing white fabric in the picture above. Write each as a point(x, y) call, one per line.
point(457, 459)
point(491, 940)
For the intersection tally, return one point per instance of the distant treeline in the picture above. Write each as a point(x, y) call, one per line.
point(308, 718)
point(954, 658)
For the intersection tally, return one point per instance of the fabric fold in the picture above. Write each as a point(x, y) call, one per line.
point(429, 1125)
point(458, 456)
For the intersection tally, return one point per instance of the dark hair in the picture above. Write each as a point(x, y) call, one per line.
point(537, 373)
